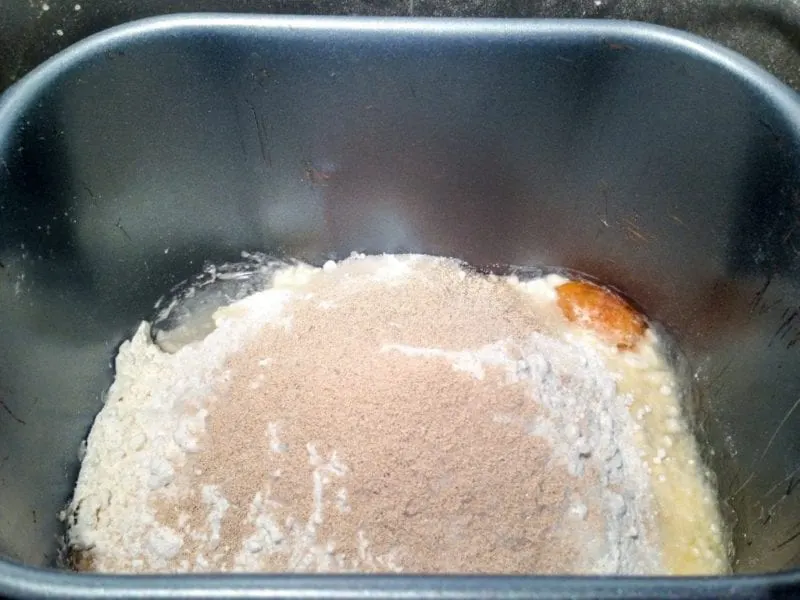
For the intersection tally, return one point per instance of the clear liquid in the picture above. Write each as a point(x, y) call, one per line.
point(185, 314)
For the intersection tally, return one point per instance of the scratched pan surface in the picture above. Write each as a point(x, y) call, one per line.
point(652, 160)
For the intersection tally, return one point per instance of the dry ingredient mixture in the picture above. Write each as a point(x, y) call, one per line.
point(399, 414)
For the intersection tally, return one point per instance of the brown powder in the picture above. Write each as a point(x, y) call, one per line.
point(416, 465)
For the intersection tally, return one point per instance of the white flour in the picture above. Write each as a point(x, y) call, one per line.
point(154, 422)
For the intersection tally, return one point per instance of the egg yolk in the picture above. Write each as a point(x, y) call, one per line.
point(602, 311)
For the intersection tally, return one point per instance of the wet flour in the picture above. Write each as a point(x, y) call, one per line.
point(383, 414)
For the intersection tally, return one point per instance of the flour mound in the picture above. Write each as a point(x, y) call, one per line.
point(383, 414)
